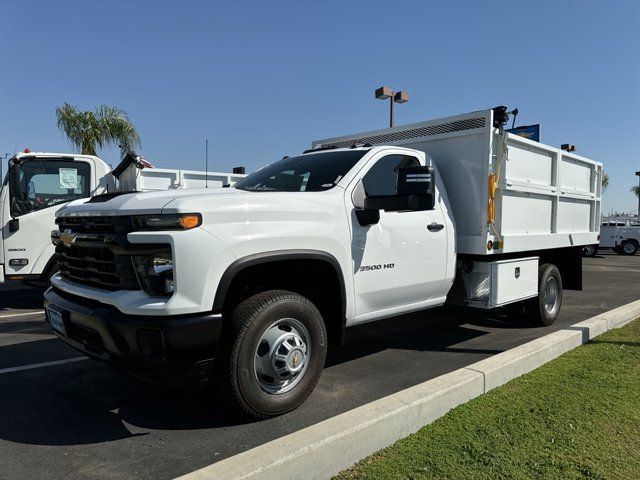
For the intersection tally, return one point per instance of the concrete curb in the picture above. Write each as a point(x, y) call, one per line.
point(328, 447)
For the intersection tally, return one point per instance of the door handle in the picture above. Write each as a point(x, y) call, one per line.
point(435, 227)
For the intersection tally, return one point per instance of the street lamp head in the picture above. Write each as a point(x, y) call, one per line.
point(401, 97)
point(638, 173)
point(383, 93)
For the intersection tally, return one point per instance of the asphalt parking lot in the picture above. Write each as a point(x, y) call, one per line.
point(62, 416)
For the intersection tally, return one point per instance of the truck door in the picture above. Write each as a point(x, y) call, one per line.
point(38, 187)
point(400, 262)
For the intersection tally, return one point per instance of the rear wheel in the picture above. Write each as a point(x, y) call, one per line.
point(277, 349)
point(590, 250)
point(545, 308)
point(629, 248)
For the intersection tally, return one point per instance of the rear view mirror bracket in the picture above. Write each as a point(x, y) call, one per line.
point(367, 217)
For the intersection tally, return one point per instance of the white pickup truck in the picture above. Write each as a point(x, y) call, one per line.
point(622, 238)
point(39, 183)
point(256, 280)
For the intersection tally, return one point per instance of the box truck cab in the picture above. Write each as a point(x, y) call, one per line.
point(249, 284)
point(36, 185)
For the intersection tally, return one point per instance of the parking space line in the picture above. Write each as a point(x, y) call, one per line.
point(43, 364)
point(11, 315)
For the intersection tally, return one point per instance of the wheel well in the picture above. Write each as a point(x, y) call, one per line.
point(569, 263)
point(630, 240)
point(316, 279)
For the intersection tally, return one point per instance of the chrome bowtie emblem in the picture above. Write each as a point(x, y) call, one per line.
point(67, 238)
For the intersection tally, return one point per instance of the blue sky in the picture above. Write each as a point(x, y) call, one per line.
point(262, 79)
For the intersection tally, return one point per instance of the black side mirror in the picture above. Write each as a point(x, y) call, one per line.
point(419, 184)
point(415, 191)
point(14, 189)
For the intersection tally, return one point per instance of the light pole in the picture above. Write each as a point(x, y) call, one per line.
point(638, 174)
point(383, 93)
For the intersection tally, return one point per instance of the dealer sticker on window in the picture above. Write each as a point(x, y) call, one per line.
point(68, 178)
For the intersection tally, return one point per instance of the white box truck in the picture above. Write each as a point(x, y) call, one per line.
point(39, 183)
point(251, 283)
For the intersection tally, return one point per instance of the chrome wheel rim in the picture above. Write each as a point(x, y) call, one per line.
point(551, 296)
point(628, 248)
point(282, 356)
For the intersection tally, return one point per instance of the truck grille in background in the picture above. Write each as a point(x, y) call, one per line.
point(89, 260)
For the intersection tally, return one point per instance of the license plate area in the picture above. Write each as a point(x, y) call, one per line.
point(56, 318)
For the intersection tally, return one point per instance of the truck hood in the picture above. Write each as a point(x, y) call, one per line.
point(137, 203)
point(211, 202)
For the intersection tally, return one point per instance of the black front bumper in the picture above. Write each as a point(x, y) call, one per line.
point(171, 351)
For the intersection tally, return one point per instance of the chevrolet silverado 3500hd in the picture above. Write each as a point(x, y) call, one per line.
point(257, 279)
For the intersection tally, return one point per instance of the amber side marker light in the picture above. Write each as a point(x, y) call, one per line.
point(189, 221)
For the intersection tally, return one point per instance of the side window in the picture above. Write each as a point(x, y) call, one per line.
point(383, 176)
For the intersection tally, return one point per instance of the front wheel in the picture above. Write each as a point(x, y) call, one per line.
point(590, 250)
point(277, 349)
point(545, 308)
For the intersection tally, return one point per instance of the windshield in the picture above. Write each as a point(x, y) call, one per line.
point(43, 184)
point(306, 173)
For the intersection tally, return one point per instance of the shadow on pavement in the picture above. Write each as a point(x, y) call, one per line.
point(88, 402)
point(21, 298)
point(98, 405)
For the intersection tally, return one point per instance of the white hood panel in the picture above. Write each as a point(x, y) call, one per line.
point(138, 203)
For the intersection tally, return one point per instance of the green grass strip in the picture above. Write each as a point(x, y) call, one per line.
point(576, 417)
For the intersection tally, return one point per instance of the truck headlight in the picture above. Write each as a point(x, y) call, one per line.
point(155, 273)
point(179, 221)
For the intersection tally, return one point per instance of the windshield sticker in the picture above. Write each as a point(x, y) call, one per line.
point(69, 178)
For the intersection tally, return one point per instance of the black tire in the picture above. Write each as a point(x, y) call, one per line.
point(628, 248)
point(248, 322)
point(537, 309)
point(590, 250)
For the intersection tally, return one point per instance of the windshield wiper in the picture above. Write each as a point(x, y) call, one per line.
point(258, 189)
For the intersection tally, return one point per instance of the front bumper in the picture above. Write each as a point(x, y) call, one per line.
point(195, 275)
point(171, 350)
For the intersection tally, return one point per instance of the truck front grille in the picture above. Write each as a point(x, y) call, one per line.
point(97, 266)
point(86, 252)
point(89, 224)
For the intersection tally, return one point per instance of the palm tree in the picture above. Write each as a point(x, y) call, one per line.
point(92, 130)
point(605, 181)
point(636, 190)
